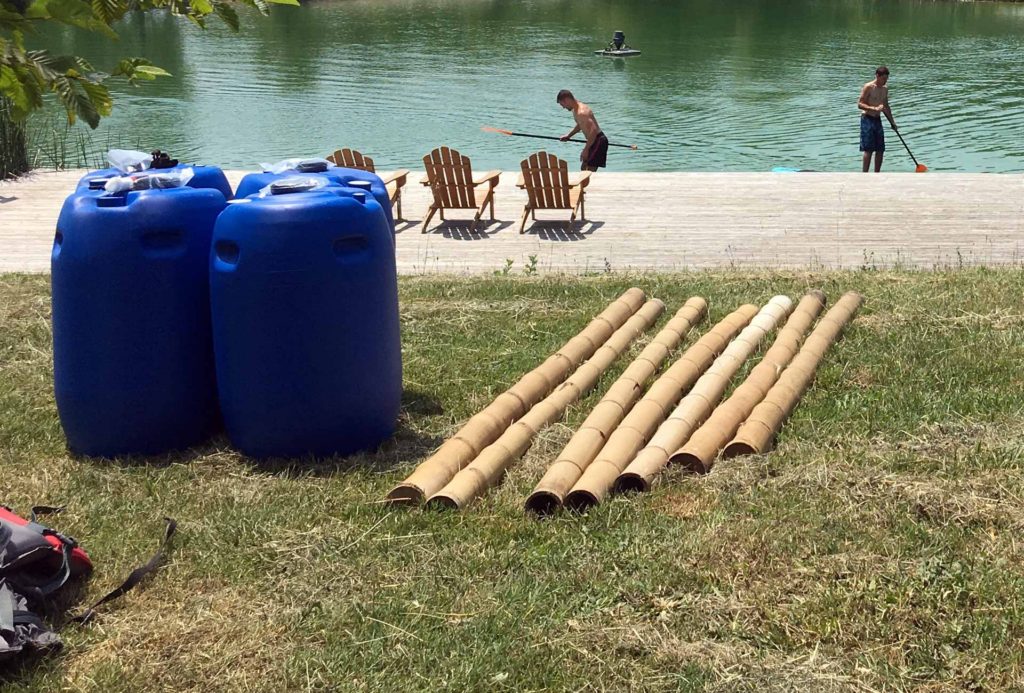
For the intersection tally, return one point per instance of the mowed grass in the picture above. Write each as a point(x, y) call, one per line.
point(877, 548)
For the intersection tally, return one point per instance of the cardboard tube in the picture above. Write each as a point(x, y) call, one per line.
point(478, 432)
point(698, 404)
point(490, 465)
point(547, 497)
point(700, 451)
point(756, 434)
point(624, 442)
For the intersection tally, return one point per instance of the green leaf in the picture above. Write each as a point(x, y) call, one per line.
point(284, 2)
point(152, 71)
point(86, 110)
point(99, 96)
point(109, 10)
point(73, 12)
point(227, 14)
point(12, 87)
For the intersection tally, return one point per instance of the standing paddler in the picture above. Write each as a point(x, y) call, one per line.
point(595, 152)
point(873, 104)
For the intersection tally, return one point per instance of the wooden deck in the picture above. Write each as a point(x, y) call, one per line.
point(667, 221)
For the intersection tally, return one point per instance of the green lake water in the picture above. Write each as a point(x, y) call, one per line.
point(722, 85)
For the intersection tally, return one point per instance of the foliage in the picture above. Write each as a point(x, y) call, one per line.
point(26, 74)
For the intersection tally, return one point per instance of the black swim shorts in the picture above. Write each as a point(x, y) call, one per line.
point(598, 157)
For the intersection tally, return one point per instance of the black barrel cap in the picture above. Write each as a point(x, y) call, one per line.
point(287, 187)
point(97, 183)
point(311, 166)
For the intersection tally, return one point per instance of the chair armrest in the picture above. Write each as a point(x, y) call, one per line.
point(425, 180)
point(520, 181)
point(489, 176)
point(583, 180)
point(398, 177)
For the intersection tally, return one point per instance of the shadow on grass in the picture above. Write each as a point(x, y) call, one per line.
point(405, 445)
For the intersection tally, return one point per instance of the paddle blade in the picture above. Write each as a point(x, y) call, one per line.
point(487, 128)
point(921, 168)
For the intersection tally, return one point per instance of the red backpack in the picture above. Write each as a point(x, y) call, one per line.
point(35, 563)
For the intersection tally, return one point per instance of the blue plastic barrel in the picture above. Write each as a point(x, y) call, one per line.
point(132, 352)
point(254, 182)
point(202, 177)
point(304, 299)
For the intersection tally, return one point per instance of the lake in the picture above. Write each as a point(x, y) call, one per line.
point(736, 85)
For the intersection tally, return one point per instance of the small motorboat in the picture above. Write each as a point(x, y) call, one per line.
point(618, 48)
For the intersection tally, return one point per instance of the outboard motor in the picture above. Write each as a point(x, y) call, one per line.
point(619, 39)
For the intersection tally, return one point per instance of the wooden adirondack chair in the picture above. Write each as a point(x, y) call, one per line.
point(451, 181)
point(546, 180)
point(350, 158)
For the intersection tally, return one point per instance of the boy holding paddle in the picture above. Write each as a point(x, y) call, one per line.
point(873, 102)
point(595, 152)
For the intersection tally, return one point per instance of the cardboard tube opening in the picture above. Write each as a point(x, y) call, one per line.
point(689, 462)
point(543, 503)
point(440, 502)
point(405, 494)
point(738, 449)
point(580, 501)
point(628, 482)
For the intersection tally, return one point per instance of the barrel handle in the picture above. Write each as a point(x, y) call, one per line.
point(227, 252)
point(348, 246)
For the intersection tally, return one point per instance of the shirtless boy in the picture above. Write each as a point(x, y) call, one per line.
point(595, 152)
point(873, 102)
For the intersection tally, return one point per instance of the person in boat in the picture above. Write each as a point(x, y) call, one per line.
point(595, 151)
point(873, 103)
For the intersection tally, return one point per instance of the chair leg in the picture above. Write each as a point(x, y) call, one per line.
point(398, 204)
point(488, 200)
point(430, 215)
point(522, 219)
point(442, 213)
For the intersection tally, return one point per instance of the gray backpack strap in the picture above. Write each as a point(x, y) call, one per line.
point(22, 546)
point(20, 629)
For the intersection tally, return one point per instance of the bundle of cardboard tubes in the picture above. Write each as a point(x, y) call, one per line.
point(635, 431)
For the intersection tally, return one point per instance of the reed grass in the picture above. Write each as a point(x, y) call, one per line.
point(54, 144)
point(876, 548)
point(13, 144)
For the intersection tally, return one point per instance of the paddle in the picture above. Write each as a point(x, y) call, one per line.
point(549, 137)
point(921, 168)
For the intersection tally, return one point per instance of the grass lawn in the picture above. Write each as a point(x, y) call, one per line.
point(878, 548)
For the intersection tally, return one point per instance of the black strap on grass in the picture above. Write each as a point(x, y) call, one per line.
point(136, 575)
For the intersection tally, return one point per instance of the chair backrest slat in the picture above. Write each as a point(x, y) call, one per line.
point(451, 178)
point(547, 181)
point(350, 158)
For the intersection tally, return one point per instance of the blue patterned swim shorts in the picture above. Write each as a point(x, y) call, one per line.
point(872, 136)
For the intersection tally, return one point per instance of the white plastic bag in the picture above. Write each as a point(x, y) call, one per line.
point(150, 181)
point(129, 160)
